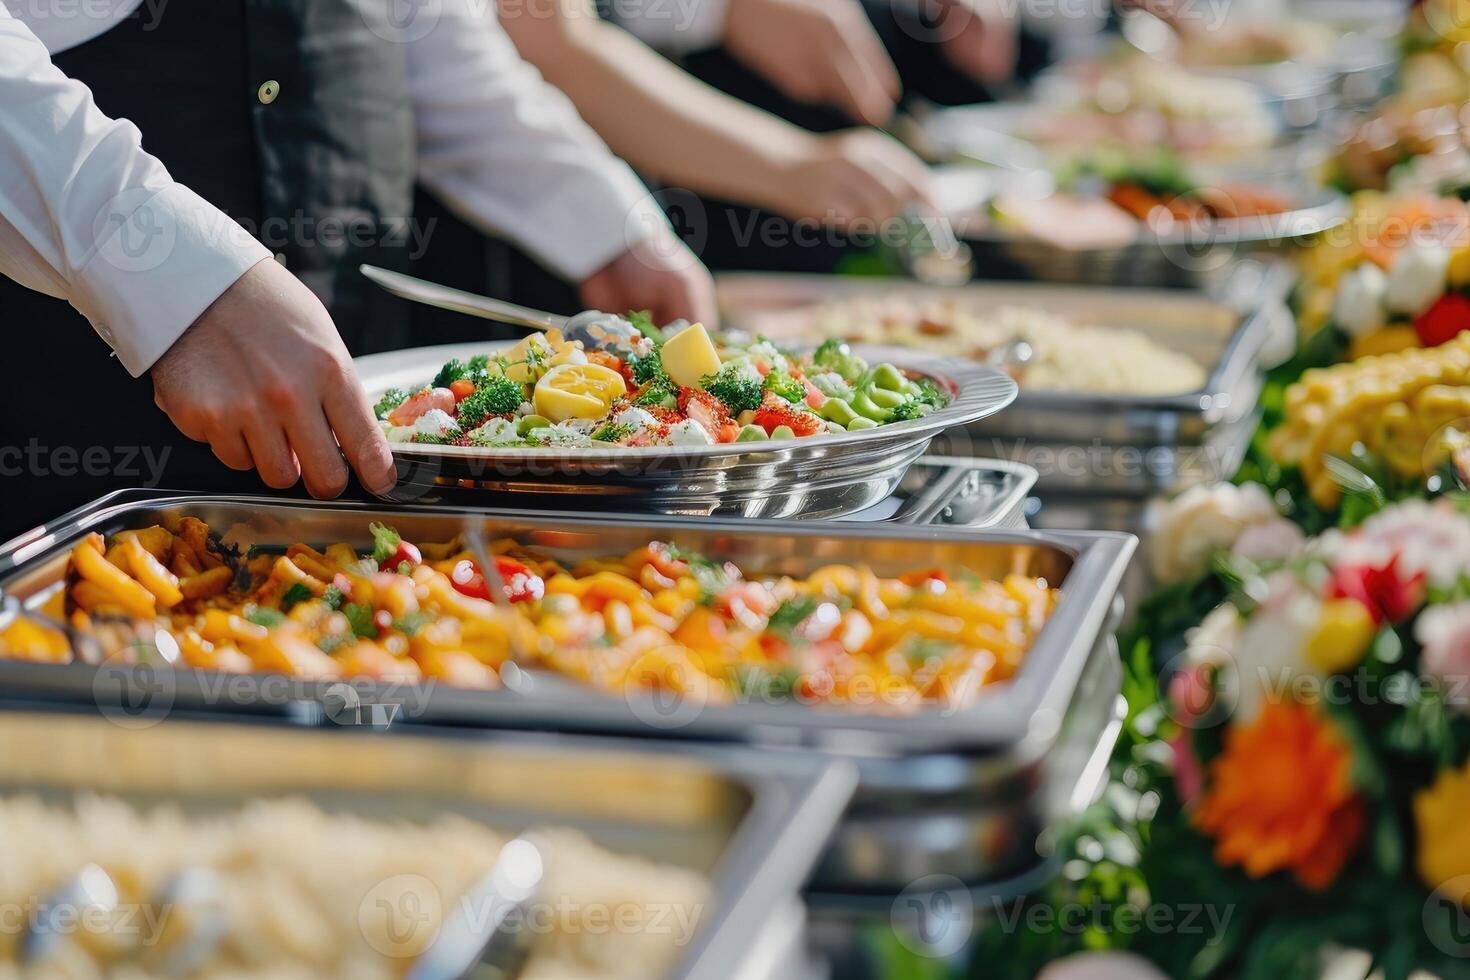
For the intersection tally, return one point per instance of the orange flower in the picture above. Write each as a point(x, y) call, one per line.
point(1280, 797)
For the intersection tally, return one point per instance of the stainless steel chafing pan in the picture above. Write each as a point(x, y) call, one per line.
point(753, 826)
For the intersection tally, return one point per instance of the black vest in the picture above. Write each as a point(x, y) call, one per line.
point(292, 116)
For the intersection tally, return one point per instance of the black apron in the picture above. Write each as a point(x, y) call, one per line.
point(318, 165)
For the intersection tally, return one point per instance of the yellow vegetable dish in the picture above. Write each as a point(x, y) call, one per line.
point(658, 618)
point(1410, 409)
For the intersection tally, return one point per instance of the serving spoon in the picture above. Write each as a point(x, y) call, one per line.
point(447, 298)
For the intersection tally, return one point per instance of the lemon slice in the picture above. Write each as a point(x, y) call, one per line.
point(577, 391)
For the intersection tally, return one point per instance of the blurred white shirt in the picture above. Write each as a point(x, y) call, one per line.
point(501, 148)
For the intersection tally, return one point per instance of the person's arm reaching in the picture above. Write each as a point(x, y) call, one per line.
point(676, 129)
point(817, 51)
point(507, 152)
point(168, 281)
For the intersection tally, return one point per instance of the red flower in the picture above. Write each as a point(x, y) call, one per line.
point(1441, 322)
point(1387, 596)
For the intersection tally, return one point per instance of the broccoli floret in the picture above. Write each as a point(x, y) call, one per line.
point(662, 393)
point(786, 386)
point(479, 364)
point(737, 389)
point(836, 356)
point(451, 372)
point(613, 432)
point(391, 399)
point(493, 395)
point(646, 369)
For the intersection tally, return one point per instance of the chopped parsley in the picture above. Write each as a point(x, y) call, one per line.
point(333, 597)
point(791, 613)
point(296, 593)
point(360, 619)
point(613, 432)
point(262, 616)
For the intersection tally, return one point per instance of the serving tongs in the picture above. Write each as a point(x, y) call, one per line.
point(485, 934)
point(428, 293)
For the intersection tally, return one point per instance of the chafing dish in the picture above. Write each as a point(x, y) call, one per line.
point(972, 781)
point(1118, 445)
point(752, 825)
point(816, 477)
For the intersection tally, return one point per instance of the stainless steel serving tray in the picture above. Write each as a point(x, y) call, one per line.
point(753, 824)
point(968, 765)
point(817, 477)
point(1112, 444)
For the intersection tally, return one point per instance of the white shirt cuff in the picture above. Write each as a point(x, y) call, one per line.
point(592, 222)
point(163, 256)
point(673, 28)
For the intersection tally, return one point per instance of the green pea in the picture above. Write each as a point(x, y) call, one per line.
point(783, 432)
point(837, 410)
point(860, 423)
point(889, 377)
point(885, 398)
point(751, 433)
point(529, 422)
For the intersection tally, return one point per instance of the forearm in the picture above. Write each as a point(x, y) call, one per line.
point(667, 124)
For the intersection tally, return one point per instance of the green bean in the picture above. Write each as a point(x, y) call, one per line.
point(885, 398)
point(889, 377)
point(860, 423)
point(783, 432)
point(863, 404)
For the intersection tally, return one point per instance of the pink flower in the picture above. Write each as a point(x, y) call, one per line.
point(1444, 634)
point(1189, 776)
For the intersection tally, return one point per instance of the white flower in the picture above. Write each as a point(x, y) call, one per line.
point(1201, 521)
point(1417, 278)
point(1444, 633)
point(1262, 655)
point(434, 422)
point(1359, 306)
point(1275, 540)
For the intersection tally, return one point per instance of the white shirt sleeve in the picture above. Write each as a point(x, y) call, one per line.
point(674, 28)
point(87, 216)
point(506, 151)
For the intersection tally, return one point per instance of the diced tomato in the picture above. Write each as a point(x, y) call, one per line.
point(776, 412)
point(521, 584)
point(419, 403)
point(918, 578)
point(1444, 320)
point(462, 389)
point(814, 396)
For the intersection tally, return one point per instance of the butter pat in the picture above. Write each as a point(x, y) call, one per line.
point(690, 356)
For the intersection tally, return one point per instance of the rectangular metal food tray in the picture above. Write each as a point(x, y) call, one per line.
point(992, 754)
point(1081, 442)
point(752, 824)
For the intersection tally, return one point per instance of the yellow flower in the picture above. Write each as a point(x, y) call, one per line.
point(1444, 834)
point(1344, 630)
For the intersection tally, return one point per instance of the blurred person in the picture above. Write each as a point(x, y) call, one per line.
point(141, 147)
point(679, 131)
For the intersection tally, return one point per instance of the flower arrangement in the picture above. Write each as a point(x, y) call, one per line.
point(1302, 759)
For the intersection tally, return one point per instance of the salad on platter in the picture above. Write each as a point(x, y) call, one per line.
point(625, 383)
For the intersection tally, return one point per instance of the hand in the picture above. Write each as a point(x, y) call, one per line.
point(979, 38)
point(858, 175)
point(823, 51)
point(263, 377)
point(658, 274)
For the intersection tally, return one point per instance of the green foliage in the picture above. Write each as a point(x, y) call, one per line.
point(452, 371)
point(785, 386)
point(738, 390)
point(391, 399)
